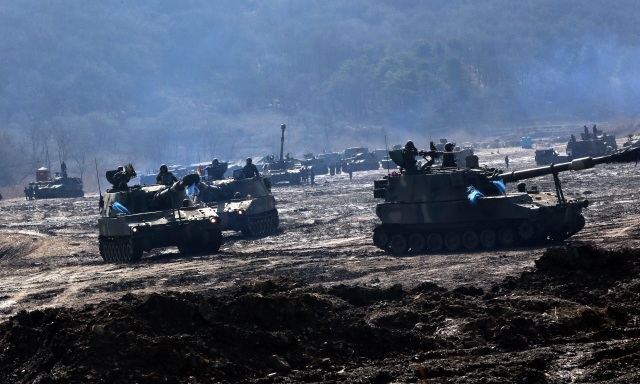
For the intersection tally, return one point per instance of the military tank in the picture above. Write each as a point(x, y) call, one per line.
point(243, 204)
point(60, 186)
point(435, 209)
point(282, 170)
point(143, 217)
point(595, 143)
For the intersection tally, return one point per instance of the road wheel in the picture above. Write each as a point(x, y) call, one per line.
point(435, 242)
point(526, 231)
point(380, 238)
point(417, 243)
point(470, 240)
point(506, 237)
point(398, 244)
point(452, 241)
point(488, 238)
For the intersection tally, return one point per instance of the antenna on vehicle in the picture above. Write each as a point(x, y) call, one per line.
point(97, 176)
point(386, 147)
point(99, 189)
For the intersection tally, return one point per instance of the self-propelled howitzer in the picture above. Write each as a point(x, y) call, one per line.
point(143, 217)
point(448, 209)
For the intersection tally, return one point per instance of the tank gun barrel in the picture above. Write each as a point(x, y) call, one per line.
point(626, 156)
point(283, 127)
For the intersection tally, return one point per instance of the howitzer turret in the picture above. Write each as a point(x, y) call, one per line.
point(448, 209)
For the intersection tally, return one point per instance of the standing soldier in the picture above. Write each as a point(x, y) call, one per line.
point(506, 160)
point(350, 170)
point(312, 176)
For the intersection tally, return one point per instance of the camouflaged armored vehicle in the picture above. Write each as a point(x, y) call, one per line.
point(60, 186)
point(438, 209)
point(243, 204)
point(143, 217)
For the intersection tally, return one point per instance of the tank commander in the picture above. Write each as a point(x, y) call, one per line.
point(215, 171)
point(165, 177)
point(250, 169)
point(122, 176)
point(472, 161)
point(63, 170)
point(448, 157)
point(409, 153)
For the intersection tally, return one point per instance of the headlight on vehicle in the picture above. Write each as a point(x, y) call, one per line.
point(134, 229)
point(241, 212)
point(213, 220)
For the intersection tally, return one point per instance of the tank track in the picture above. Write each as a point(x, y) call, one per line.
point(396, 239)
point(262, 225)
point(119, 250)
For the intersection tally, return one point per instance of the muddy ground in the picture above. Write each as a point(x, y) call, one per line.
point(317, 302)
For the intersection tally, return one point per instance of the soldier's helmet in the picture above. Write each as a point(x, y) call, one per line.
point(215, 161)
point(409, 144)
point(249, 160)
point(448, 147)
point(163, 168)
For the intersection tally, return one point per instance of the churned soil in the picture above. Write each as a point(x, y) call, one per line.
point(318, 303)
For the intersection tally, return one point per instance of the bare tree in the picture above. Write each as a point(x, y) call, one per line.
point(62, 135)
point(81, 159)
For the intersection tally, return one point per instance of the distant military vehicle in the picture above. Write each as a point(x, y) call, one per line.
point(450, 209)
point(141, 218)
point(388, 164)
point(595, 143)
point(631, 142)
point(548, 156)
point(60, 186)
point(320, 167)
point(361, 162)
point(243, 204)
point(284, 169)
point(331, 157)
point(359, 159)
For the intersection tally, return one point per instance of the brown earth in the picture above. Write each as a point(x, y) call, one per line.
point(319, 303)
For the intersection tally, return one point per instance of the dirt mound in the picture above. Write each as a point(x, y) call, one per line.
point(18, 246)
point(574, 318)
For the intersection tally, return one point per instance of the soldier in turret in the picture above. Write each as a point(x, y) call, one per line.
point(122, 177)
point(448, 157)
point(215, 171)
point(250, 170)
point(165, 177)
point(409, 153)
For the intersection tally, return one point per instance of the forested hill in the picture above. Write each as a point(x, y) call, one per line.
point(152, 81)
